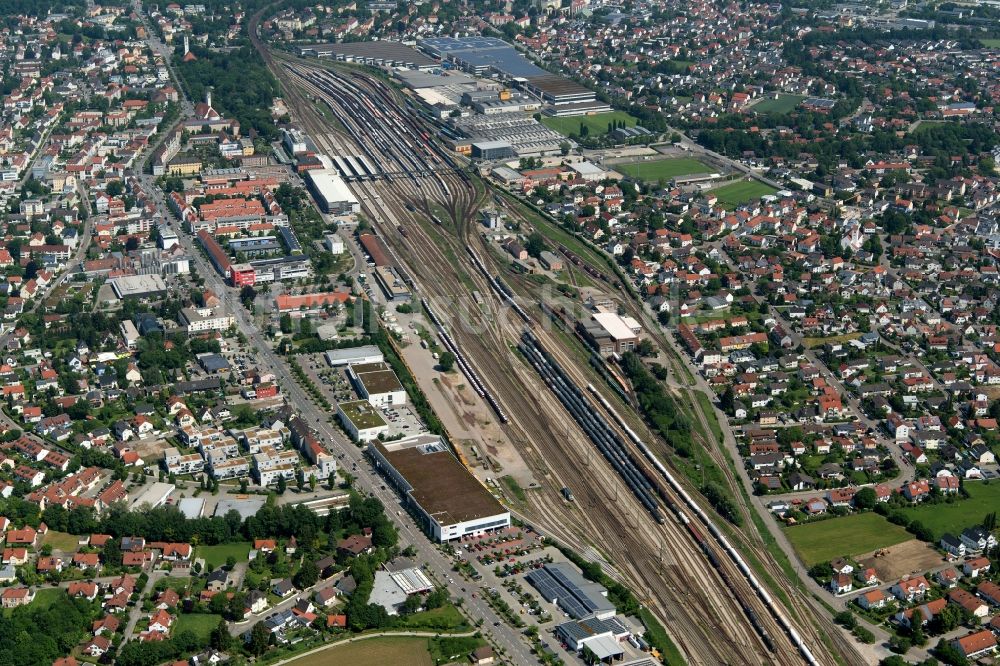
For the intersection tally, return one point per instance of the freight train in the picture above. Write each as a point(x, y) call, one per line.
point(608, 442)
point(720, 538)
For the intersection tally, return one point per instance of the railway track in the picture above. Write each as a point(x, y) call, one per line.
point(702, 617)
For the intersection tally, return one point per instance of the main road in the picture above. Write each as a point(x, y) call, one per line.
point(350, 457)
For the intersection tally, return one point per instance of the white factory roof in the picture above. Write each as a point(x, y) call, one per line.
point(619, 328)
point(330, 185)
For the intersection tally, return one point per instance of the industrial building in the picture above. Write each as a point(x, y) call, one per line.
point(331, 192)
point(492, 150)
point(492, 137)
point(391, 284)
point(610, 333)
point(560, 583)
point(377, 383)
point(486, 56)
point(451, 501)
point(379, 54)
point(139, 286)
point(375, 248)
point(596, 640)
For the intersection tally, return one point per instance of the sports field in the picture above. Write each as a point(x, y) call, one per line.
point(991, 43)
point(372, 652)
point(844, 537)
point(597, 125)
point(669, 168)
point(734, 194)
point(783, 104)
point(955, 517)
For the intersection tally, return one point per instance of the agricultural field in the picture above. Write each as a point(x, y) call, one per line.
point(734, 194)
point(844, 537)
point(655, 170)
point(372, 652)
point(216, 556)
point(941, 518)
point(597, 125)
point(784, 104)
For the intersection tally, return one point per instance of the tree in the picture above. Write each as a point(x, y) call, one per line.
point(411, 605)
point(282, 485)
point(307, 575)
point(112, 553)
point(535, 244)
point(949, 654)
point(446, 361)
point(865, 498)
point(220, 638)
point(260, 638)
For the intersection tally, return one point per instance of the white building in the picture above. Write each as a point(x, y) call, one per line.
point(377, 383)
point(178, 463)
point(361, 420)
point(198, 320)
point(230, 468)
point(451, 501)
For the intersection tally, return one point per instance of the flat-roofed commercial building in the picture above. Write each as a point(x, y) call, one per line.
point(354, 355)
point(361, 420)
point(451, 501)
point(139, 286)
point(377, 383)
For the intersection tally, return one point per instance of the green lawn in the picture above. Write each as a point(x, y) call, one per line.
point(448, 650)
point(597, 124)
point(67, 543)
point(200, 623)
point(784, 104)
point(941, 518)
point(446, 618)
point(45, 598)
point(734, 194)
point(991, 43)
point(844, 537)
point(656, 169)
point(372, 652)
point(216, 556)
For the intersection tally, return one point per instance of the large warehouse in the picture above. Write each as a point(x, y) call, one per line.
point(450, 499)
point(485, 56)
point(331, 192)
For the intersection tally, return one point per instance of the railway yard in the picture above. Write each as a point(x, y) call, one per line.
point(423, 207)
